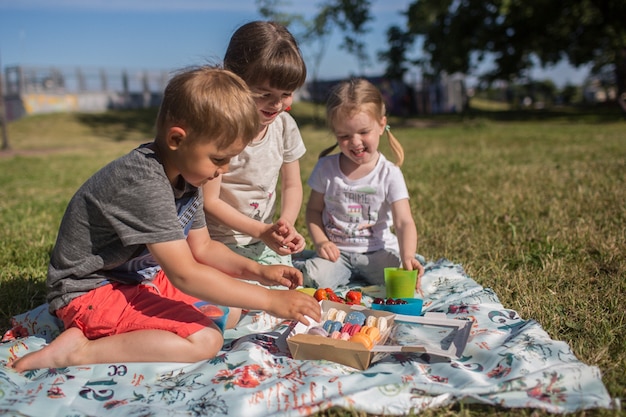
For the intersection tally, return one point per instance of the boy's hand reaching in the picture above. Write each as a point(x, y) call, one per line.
point(284, 275)
point(294, 305)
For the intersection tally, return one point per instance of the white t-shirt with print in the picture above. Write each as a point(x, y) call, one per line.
point(250, 184)
point(357, 213)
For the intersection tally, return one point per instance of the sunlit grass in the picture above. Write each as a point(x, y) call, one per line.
point(533, 209)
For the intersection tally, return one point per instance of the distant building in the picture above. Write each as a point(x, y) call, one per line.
point(447, 95)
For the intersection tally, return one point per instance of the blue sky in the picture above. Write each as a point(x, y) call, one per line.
point(171, 34)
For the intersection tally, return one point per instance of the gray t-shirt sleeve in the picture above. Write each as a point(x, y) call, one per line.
point(114, 214)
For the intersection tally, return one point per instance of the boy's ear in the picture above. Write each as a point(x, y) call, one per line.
point(175, 136)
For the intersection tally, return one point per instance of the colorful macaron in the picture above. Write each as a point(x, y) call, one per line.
point(355, 317)
point(371, 321)
point(335, 315)
point(330, 314)
point(381, 324)
point(340, 316)
point(332, 326)
point(318, 331)
point(363, 339)
point(351, 328)
point(372, 332)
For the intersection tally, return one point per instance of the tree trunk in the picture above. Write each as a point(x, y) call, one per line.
point(620, 77)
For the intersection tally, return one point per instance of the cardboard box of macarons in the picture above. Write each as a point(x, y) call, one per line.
point(354, 335)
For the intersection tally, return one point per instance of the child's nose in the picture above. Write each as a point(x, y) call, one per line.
point(223, 169)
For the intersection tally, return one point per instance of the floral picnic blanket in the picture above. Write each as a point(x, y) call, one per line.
point(508, 361)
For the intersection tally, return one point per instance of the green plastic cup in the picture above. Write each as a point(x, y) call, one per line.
point(400, 283)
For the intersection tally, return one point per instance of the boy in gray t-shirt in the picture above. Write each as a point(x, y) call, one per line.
point(134, 266)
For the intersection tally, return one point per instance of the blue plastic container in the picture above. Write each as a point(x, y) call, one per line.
point(412, 308)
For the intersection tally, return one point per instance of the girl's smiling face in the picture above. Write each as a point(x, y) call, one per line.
point(358, 137)
point(271, 102)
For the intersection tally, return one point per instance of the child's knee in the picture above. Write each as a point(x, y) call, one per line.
point(206, 343)
point(322, 273)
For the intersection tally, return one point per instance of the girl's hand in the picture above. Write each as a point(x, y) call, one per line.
point(292, 240)
point(327, 250)
point(296, 244)
point(413, 264)
point(283, 238)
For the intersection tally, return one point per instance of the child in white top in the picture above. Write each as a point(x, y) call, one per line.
point(240, 205)
point(357, 195)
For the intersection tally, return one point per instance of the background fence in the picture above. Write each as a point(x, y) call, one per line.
point(31, 90)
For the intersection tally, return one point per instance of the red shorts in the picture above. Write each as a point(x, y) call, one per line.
point(157, 305)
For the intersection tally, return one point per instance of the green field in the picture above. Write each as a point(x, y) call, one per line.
point(533, 205)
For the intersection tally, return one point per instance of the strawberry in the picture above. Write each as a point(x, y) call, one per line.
point(353, 297)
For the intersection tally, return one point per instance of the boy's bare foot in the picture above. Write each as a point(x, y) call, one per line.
point(61, 352)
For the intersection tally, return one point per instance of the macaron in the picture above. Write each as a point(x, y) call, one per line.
point(356, 317)
point(340, 316)
point(318, 331)
point(335, 335)
point(363, 339)
point(381, 324)
point(371, 321)
point(372, 332)
point(345, 336)
point(331, 314)
point(331, 326)
point(351, 328)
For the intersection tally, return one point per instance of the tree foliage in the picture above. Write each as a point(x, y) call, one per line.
point(399, 42)
point(459, 34)
point(350, 17)
point(514, 35)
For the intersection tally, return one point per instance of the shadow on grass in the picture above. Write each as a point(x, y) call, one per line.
point(121, 125)
point(595, 114)
point(309, 114)
point(19, 295)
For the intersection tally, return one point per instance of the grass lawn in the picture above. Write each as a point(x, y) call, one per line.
point(532, 204)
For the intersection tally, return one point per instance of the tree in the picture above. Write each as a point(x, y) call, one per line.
point(399, 42)
point(459, 34)
point(269, 9)
point(350, 16)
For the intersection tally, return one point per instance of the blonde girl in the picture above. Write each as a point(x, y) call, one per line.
point(357, 195)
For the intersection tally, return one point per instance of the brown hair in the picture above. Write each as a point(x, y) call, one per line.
point(209, 102)
point(350, 97)
point(263, 51)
